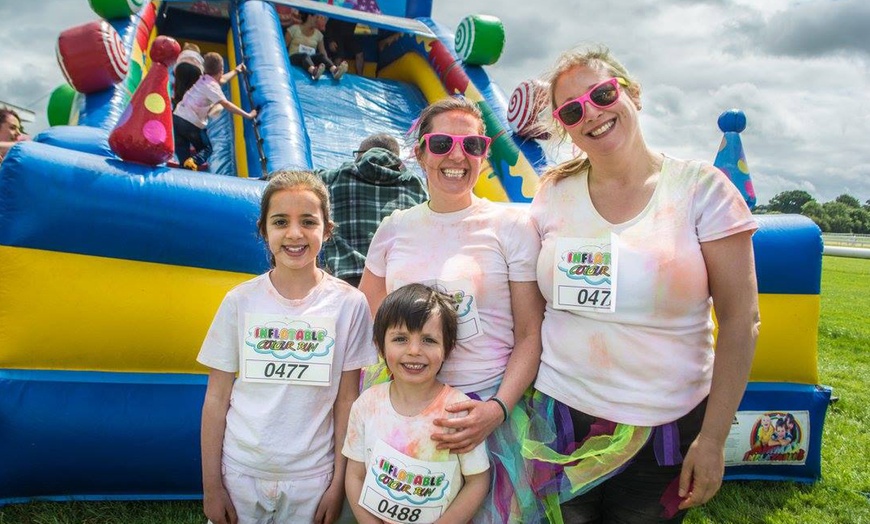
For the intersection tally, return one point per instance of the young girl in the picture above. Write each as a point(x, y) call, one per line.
point(305, 46)
point(394, 471)
point(297, 338)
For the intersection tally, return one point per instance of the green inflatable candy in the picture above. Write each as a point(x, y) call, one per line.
point(479, 39)
point(60, 105)
point(110, 9)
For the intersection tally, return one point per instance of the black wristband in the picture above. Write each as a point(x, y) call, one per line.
point(503, 406)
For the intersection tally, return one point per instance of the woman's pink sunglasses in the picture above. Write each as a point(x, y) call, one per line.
point(601, 95)
point(440, 144)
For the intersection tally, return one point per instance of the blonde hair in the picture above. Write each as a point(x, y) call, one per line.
point(190, 46)
point(594, 56)
point(286, 180)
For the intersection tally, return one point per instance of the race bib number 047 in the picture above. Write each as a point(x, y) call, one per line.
point(584, 274)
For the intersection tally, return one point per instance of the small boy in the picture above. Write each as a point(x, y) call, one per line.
point(191, 115)
point(395, 473)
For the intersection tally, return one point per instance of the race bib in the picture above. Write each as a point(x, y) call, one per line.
point(400, 488)
point(279, 349)
point(584, 274)
point(306, 50)
point(462, 293)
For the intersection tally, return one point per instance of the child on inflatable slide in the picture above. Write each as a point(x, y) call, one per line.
point(191, 116)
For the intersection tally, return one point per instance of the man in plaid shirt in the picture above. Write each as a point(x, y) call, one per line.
point(363, 192)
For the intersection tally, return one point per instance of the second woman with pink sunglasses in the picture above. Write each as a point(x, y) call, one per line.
point(483, 255)
point(636, 247)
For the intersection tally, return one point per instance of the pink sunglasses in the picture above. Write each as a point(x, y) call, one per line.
point(440, 144)
point(601, 95)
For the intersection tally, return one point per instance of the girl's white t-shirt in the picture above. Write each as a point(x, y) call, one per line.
point(279, 431)
point(650, 361)
point(474, 254)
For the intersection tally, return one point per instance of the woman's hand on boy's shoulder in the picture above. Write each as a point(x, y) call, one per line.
point(464, 433)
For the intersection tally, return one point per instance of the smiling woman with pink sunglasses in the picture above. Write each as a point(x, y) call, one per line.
point(636, 247)
point(483, 255)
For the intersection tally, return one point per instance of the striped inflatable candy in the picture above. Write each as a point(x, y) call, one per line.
point(92, 56)
point(527, 102)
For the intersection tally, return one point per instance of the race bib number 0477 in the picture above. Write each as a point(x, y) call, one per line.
point(278, 349)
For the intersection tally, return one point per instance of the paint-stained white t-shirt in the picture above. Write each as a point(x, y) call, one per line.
point(650, 360)
point(473, 254)
point(277, 430)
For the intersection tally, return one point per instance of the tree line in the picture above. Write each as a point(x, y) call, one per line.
point(844, 214)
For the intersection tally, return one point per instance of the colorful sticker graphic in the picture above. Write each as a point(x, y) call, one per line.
point(293, 351)
point(774, 437)
point(584, 274)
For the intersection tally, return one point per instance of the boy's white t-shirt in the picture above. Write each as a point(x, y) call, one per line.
point(278, 431)
point(474, 254)
point(649, 362)
point(373, 418)
point(199, 99)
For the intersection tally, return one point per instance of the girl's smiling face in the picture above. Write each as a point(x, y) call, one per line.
point(295, 229)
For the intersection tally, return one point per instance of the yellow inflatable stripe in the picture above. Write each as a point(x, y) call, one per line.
point(238, 121)
point(415, 70)
point(63, 311)
point(787, 349)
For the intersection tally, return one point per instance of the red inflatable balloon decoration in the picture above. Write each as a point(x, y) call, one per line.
point(144, 133)
point(92, 56)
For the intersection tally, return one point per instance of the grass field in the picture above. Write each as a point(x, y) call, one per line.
point(841, 496)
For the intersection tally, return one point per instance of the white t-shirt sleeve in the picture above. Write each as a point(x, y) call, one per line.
point(522, 245)
point(354, 441)
point(475, 461)
point(719, 209)
point(360, 347)
point(376, 259)
point(214, 93)
point(220, 349)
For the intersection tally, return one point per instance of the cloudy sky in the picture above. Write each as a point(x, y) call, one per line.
point(798, 69)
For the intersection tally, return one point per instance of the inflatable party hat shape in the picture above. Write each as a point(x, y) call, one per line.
point(731, 158)
point(144, 133)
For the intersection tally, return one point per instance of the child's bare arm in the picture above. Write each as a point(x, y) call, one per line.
point(329, 508)
point(231, 73)
point(236, 110)
point(353, 483)
point(468, 500)
point(216, 503)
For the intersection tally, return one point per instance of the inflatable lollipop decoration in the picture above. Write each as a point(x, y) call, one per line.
point(116, 8)
point(479, 39)
point(731, 158)
point(92, 56)
point(144, 133)
point(527, 103)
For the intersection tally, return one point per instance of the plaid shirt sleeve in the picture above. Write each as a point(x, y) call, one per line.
point(360, 203)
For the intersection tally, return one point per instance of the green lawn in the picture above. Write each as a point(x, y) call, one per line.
point(842, 496)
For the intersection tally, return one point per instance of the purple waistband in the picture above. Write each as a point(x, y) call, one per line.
point(666, 444)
